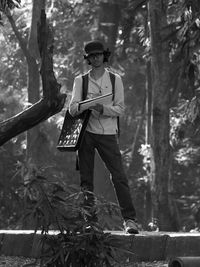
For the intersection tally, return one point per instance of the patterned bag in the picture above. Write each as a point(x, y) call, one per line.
point(73, 131)
point(74, 127)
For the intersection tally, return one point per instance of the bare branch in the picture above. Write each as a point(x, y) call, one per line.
point(22, 41)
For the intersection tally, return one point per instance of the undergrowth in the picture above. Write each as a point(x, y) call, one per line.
point(77, 242)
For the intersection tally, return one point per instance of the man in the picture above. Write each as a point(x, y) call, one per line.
point(102, 129)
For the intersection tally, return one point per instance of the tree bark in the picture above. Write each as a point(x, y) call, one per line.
point(31, 53)
point(34, 134)
point(110, 15)
point(133, 147)
point(52, 101)
point(148, 102)
point(160, 126)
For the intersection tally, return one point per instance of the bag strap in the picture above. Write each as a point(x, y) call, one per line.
point(112, 79)
point(84, 96)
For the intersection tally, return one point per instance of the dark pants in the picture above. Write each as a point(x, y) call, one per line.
point(108, 149)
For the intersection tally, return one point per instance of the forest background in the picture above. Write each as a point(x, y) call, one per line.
point(155, 48)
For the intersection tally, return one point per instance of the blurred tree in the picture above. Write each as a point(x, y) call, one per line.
point(161, 155)
point(109, 21)
point(173, 35)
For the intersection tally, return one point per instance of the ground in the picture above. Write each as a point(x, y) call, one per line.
point(25, 262)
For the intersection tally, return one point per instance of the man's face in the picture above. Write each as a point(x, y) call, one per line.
point(96, 59)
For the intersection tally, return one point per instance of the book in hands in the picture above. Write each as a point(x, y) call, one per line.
point(88, 103)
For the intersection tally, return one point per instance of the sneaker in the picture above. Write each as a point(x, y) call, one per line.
point(131, 227)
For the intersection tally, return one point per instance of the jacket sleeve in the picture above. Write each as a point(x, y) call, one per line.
point(76, 96)
point(117, 109)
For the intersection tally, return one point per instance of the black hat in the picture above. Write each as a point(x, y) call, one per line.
point(94, 47)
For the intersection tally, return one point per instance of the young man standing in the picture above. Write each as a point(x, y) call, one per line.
point(102, 130)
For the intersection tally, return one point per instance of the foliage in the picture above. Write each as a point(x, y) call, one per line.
point(12, 100)
point(183, 35)
point(11, 209)
point(73, 23)
point(185, 143)
point(88, 249)
point(185, 122)
point(77, 241)
point(11, 4)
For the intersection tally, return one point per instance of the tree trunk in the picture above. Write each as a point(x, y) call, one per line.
point(160, 111)
point(148, 103)
point(110, 15)
point(52, 101)
point(31, 53)
point(33, 135)
point(133, 148)
point(148, 205)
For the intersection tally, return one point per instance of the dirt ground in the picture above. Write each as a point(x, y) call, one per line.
point(25, 262)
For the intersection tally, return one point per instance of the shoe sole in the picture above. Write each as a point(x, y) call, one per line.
point(132, 232)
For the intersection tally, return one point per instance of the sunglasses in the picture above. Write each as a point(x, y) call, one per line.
point(93, 55)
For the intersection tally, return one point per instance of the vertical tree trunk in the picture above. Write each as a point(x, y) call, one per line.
point(31, 53)
point(148, 102)
point(34, 135)
point(160, 111)
point(110, 15)
point(52, 101)
point(33, 97)
point(148, 205)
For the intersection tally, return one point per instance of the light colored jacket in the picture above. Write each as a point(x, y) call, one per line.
point(105, 123)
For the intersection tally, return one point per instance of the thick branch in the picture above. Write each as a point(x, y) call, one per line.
point(52, 102)
point(27, 119)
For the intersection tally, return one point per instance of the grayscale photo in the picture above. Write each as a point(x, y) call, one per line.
point(99, 133)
